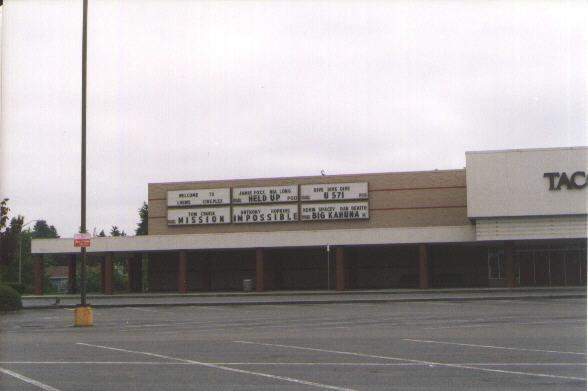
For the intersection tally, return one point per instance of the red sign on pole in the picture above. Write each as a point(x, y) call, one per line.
point(82, 240)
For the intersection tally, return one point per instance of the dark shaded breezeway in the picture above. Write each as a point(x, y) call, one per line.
point(455, 265)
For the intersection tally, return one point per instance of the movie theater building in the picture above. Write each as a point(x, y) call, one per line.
point(510, 218)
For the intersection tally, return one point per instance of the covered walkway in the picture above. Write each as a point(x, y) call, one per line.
point(435, 257)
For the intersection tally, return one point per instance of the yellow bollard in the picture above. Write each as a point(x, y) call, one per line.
point(83, 316)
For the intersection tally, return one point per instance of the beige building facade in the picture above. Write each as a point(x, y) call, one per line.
point(410, 199)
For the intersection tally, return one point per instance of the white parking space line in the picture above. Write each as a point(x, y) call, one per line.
point(272, 306)
point(142, 309)
point(491, 346)
point(568, 322)
point(314, 323)
point(224, 368)
point(93, 363)
point(558, 322)
point(528, 364)
point(25, 379)
point(404, 364)
point(146, 325)
point(430, 363)
point(361, 364)
point(206, 325)
point(459, 327)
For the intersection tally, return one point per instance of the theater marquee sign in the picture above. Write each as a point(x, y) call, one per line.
point(198, 197)
point(263, 195)
point(335, 211)
point(270, 204)
point(199, 216)
point(265, 214)
point(334, 191)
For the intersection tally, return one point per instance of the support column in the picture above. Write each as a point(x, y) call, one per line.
point(134, 272)
point(108, 271)
point(349, 270)
point(339, 268)
point(145, 273)
point(206, 274)
point(183, 272)
point(130, 274)
point(102, 274)
point(423, 267)
point(71, 274)
point(259, 274)
point(39, 274)
point(353, 267)
point(509, 274)
point(278, 274)
point(138, 272)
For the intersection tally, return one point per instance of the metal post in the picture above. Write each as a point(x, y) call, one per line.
point(20, 258)
point(328, 268)
point(534, 271)
point(580, 264)
point(549, 266)
point(565, 256)
point(83, 189)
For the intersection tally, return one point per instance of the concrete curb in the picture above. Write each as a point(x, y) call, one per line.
point(304, 302)
point(307, 293)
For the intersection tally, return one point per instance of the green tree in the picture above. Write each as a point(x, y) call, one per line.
point(101, 234)
point(4, 209)
point(142, 225)
point(42, 230)
point(9, 248)
point(114, 231)
point(16, 243)
point(26, 259)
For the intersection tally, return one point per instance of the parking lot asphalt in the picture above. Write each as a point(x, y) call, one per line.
point(518, 344)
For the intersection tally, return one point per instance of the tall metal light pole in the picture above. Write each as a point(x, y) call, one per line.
point(83, 190)
point(83, 315)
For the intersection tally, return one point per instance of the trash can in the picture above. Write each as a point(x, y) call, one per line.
point(247, 285)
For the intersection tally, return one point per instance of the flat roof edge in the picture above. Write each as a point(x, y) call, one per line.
point(333, 176)
point(527, 150)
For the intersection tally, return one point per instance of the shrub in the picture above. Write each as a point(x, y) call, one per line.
point(9, 299)
point(20, 288)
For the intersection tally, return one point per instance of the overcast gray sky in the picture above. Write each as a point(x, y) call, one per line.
point(195, 90)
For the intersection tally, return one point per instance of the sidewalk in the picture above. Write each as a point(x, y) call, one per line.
point(301, 297)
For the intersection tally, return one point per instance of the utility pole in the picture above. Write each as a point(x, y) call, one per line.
point(83, 189)
point(83, 315)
